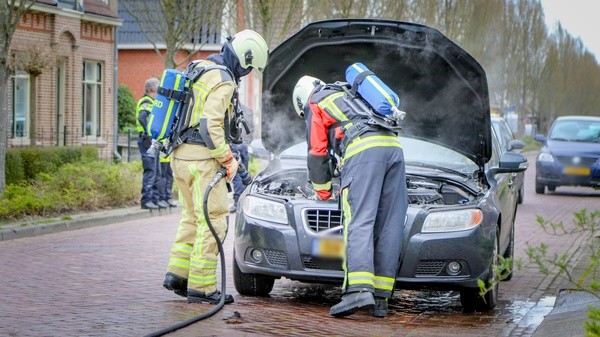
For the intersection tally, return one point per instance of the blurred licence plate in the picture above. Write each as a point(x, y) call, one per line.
point(328, 247)
point(577, 171)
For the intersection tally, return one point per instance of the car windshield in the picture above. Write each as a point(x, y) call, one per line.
point(576, 131)
point(416, 152)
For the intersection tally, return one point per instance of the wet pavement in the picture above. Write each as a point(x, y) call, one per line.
point(107, 281)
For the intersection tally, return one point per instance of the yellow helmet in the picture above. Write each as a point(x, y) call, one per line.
point(251, 49)
point(304, 87)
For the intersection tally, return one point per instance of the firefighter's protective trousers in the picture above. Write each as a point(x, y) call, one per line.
point(374, 204)
point(194, 252)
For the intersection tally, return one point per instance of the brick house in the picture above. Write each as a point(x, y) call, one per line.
point(76, 95)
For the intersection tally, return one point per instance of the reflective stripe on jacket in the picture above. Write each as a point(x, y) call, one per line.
point(144, 104)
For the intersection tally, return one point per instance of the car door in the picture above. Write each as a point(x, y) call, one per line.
point(506, 193)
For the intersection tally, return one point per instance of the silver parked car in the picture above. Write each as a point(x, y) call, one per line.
point(462, 197)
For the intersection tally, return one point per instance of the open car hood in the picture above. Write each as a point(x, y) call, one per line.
point(442, 88)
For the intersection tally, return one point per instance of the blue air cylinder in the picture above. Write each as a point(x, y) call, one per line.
point(379, 96)
point(168, 98)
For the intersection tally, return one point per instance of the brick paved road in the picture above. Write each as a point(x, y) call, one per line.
point(106, 281)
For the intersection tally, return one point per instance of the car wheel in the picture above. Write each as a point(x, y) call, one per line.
point(510, 253)
point(551, 188)
point(251, 284)
point(539, 188)
point(470, 298)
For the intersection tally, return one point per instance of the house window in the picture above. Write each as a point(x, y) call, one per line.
point(92, 98)
point(20, 105)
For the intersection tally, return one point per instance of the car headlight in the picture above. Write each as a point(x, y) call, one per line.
point(545, 157)
point(452, 221)
point(264, 209)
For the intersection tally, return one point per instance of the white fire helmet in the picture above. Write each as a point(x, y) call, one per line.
point(304, 87)
point(251, 49)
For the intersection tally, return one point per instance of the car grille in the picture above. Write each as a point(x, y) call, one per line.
point(430, 268)
point(276, 258)
point(568, 161)
point(321, 220)
point(311, 262)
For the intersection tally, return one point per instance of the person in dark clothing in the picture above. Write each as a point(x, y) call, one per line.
point(242, 150)
point(372, 190)
point(150, 190)
point(165, 181)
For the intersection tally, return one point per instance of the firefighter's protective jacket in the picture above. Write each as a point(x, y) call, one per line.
point(328, 117)
point(213, 92)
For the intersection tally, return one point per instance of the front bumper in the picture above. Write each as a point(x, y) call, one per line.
point(556, 174)
point(285, 251)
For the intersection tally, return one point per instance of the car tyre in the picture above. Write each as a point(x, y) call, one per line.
point(539, 188)
point(471, 300)
point(251, 284)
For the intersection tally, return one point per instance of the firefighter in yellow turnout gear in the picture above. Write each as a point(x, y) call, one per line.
point(193, 259)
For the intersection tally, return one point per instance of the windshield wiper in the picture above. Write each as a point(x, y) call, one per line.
point(439, 168)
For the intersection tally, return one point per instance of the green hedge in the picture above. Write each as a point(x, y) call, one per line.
point(72, 187)
point(24, 164)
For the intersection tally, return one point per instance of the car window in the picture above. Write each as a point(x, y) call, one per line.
point(495, 159)
point(576, 131)
point(503, 133)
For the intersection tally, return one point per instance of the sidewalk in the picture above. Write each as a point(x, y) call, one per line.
point(566, 318)
point(23, 229)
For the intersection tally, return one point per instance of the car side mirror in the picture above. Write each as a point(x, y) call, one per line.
point(516, 144)
point(540, 138)
point(510, 162)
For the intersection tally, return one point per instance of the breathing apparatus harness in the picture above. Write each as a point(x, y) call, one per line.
point(369, 120)
point(181, 130)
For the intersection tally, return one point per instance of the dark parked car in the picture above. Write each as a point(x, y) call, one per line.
point(508, 142)
point(570, 155)
point(460, 184)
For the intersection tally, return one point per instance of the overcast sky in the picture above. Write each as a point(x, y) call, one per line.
point(581, 18)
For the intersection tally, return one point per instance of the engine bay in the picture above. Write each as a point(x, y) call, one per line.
point(295, 185)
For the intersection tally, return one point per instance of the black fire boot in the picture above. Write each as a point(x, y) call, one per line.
point(176, 283)
point(352, 302)
point(194, 296)
point(381, 307)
